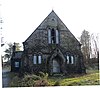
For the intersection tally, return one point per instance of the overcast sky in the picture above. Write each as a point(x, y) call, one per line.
point(22, 17)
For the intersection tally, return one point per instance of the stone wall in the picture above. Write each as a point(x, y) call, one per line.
point(38, 42)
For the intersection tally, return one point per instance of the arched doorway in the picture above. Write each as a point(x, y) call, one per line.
point(56, 62)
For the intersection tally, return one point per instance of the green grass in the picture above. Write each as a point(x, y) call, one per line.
point(91, 78)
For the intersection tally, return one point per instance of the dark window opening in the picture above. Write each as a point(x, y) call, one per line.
point(69, 59)
point(53, 36)
point(16, 64)
point(53, 20)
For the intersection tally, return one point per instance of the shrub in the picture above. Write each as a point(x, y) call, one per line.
point(41, 82)
point(35, 77)
point(29, 80)
point(43, 75)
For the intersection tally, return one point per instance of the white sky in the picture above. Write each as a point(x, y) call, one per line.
point(22, 17)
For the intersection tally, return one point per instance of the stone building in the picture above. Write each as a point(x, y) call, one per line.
point(16, 59)
point(52, 48)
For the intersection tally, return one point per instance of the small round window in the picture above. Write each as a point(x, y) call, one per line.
point(53, 20)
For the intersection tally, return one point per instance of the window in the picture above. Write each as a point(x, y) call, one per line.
point(72, 60)
point(16, 64)
point(53, 39)
point(49, 36)
point(53, 36)
point(35, 59)
point(67, 59)
point(53, 20)
point(39, 59)
point(57, 35)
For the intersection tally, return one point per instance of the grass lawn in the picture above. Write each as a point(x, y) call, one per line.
point(88, 79)
point(91, 78)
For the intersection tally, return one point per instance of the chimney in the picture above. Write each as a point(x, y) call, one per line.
point(14, 48)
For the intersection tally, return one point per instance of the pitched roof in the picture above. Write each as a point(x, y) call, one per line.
point(52, 14)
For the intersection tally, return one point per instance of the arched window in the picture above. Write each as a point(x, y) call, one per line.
point(67, 59)
point(49, 36)
point(53, 36)
point(34, 59)
point(72, 60)
point(39, 59)
point(57, 37)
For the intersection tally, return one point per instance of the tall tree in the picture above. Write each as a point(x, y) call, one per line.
point(94, 46)
point(85, 40)
point(17, 46)
point(9, 50)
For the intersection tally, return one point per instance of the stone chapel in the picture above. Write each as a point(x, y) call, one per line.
point(51, 48)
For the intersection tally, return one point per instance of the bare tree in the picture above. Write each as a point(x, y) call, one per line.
point(94, 46)
point(85, 40)
point(9, 50)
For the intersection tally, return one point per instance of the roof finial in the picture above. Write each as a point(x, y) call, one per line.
point(52, 9)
